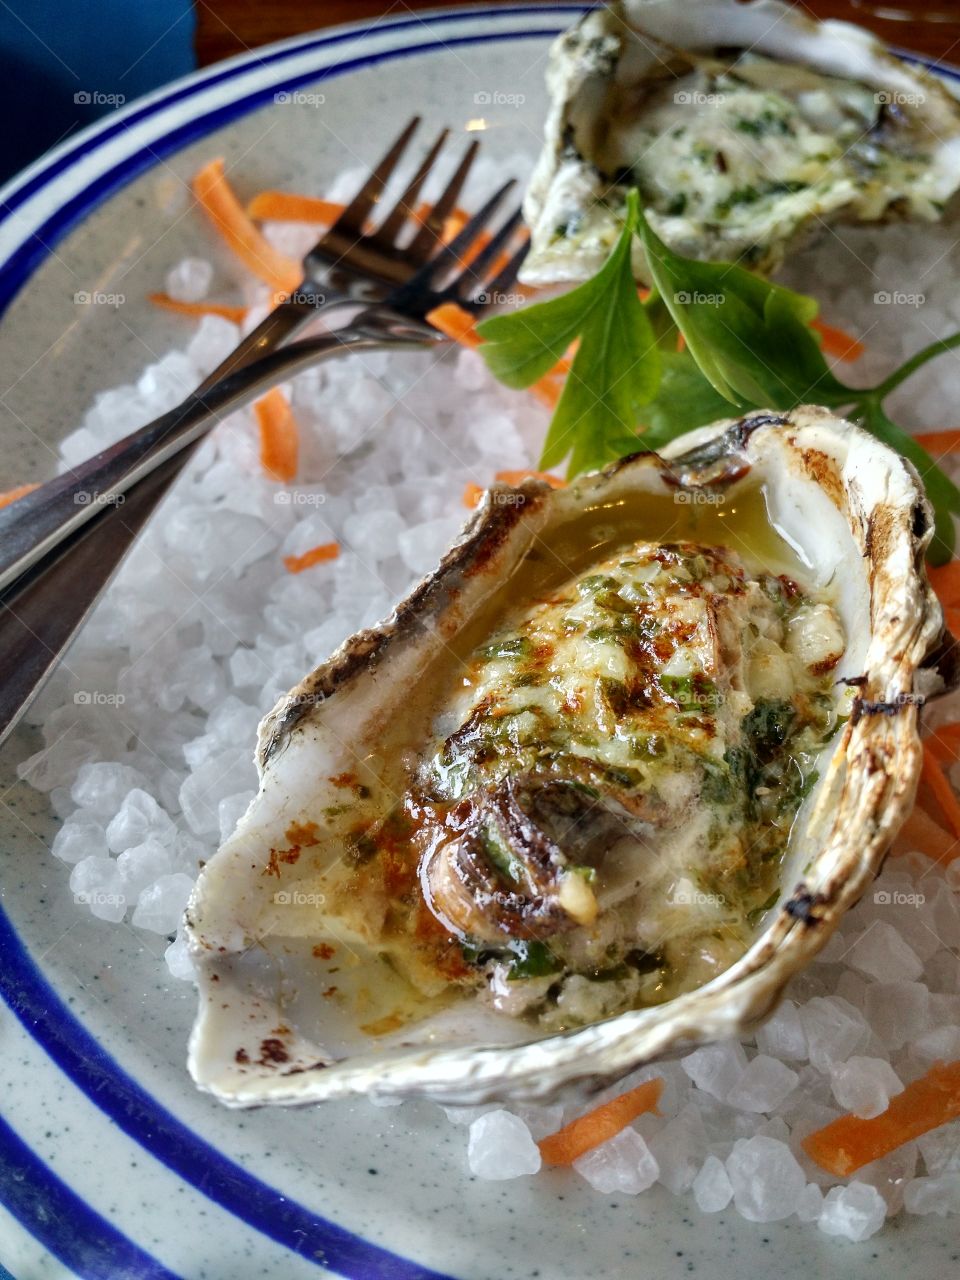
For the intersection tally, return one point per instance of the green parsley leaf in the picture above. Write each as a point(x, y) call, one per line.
point(751, 339)
point(616, 368)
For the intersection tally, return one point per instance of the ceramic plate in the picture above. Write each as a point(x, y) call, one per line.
point(111, 1164)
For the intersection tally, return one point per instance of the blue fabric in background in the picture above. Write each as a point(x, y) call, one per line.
point(64, 63)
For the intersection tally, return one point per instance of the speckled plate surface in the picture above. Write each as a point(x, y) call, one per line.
point(111, 1164)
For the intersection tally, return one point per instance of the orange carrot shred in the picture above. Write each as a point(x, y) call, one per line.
point(12, 495)
point(316, 555)
point(163, 300)
point(933, 775)
point(472, 495)
point(921, 831)
point(518, 477)
point(938, 442)
point(836, 342)
point(945, 580)
point(601, 1124)
point(849, 1142)
point(289, 206)
point(279, 436)
point(455, 324)
point(218, 201)
point(458, 325)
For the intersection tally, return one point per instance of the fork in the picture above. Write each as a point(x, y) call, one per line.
point(350, 265)
point(45, 606)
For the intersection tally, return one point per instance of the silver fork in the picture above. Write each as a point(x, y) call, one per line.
point(350, 265)
point(45, 606)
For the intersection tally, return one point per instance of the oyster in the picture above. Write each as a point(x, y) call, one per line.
point(595, 790)
point(742, 125)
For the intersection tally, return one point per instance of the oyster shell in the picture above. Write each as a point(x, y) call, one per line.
point(285, 901)
point(743, 125)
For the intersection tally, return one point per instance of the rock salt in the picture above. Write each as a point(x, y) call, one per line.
point(624, 1164)
point(782, 1035)
point(940, 1195)
point(500, 1146)
point(810, 1203)
point(161, 905)
point(715, 1068)
point(679, 1147)
point(834, 1029)
point(712, 1188)
point(898, 1011)
point(880, 952)
point(766, 1179)
point(189, 279)
point(856, 1211)
point(79, 838)
point(96, 883)
point(139, 818)
point(864, 1085)
point(763, 1085)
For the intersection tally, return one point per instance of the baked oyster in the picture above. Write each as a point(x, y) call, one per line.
point(596, 789)
point(744, 126)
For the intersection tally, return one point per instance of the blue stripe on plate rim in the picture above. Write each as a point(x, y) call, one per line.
point(88, 1066)
point(22, 984)
point(63, 1223)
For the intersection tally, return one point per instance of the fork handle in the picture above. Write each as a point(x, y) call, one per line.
point(41, 520)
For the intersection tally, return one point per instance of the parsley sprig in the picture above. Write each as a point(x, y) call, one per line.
point(748, 344)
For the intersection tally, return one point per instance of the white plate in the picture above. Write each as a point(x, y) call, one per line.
point(111, 1164)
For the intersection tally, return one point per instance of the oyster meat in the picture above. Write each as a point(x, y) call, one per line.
point(597, 788)
point(742, 126)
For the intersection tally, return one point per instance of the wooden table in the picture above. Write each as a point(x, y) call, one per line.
point(226, 27)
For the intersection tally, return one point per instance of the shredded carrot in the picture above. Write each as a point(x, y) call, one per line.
point(922, 832)
point(458, 325)
point(289, 206)
point(455, 323)
point(518, 477)
point(601, 1124)
point(472, 495)
point(12, 495)
point(938, 442)
point(849, 1142)
point(836, 342)
point(236, 314)
point(316, 555)
point(220, 204)
point(945, 580)
point(279, 437)
point(933, 775)
point(947, 736)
